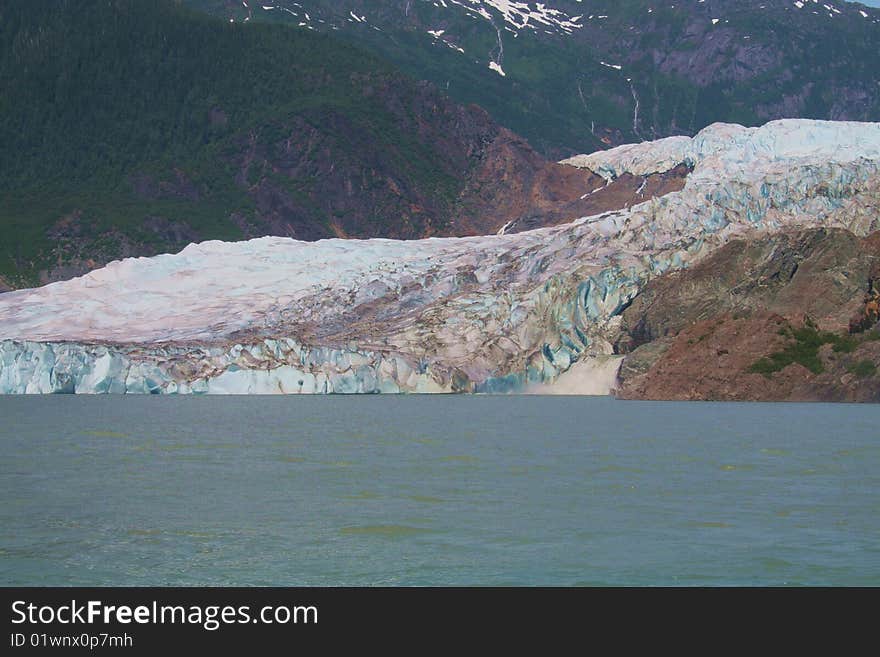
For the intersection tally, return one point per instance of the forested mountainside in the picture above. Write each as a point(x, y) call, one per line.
point(574, 75)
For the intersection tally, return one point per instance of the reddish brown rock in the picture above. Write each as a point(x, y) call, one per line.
point(514, 188)
point(698, 334)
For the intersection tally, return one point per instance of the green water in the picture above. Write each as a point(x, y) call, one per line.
point(436, 490)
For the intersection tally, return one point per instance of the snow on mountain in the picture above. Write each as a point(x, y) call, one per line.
point(509, 13)
point(493, 313)
point(552, 16)
point(522, 15)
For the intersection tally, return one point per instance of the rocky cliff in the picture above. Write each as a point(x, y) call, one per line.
point(485, 314)
point(790, 316)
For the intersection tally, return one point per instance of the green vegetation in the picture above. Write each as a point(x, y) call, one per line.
point(803, 348)
point(863, 369)
point(845, 344)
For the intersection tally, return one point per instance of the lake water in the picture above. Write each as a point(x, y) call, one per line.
point(436, 490)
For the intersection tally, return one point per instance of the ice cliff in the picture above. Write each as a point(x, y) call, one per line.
point(481, 314)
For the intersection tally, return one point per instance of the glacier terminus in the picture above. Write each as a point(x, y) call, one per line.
point(499, 313)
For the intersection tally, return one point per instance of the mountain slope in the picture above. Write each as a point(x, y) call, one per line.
point(138, 126)
point(577, 74)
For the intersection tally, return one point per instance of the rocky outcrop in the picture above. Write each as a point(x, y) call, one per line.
point(320, 177)
point(720, 360)
point(783, 317)
point(479, 314)
point(821, 273)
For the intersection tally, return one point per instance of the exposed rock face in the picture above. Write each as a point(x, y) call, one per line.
point(513, 189)
point(308, 186)
point(697, 334)
point(712, 360)
point(823, 273)
point(494, 313)
point(554, 194)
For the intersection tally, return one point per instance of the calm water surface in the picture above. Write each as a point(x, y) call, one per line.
point(435, 490)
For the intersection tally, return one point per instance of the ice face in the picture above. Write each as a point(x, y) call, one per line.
point(494, 313)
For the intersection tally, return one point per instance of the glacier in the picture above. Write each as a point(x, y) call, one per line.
point(498, 313)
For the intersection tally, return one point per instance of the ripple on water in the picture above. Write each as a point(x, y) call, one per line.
point(387, 531)
point(188, 533)
point(363, 495)
point(426, 499)
point(737, 468)
point(460, 458)
point(620, 469)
